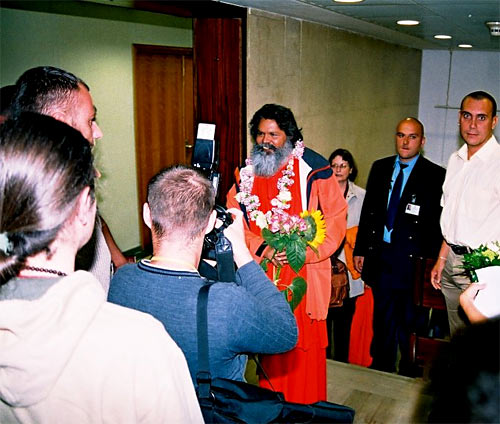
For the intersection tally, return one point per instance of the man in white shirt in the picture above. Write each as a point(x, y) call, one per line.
point(471, 199)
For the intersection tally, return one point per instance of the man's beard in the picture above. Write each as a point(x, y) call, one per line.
point(266, 164)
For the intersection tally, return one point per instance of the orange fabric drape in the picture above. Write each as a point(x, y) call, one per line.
point(350, 241)
point(300, 374)
point(362, 330)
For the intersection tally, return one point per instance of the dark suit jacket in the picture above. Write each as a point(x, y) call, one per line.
point(412, 235)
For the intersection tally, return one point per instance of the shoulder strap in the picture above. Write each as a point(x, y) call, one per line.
point(203, 377)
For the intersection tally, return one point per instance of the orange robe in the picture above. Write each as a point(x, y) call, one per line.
point(301, 373)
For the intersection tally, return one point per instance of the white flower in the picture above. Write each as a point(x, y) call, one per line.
point(284, 196)
point(260, 219)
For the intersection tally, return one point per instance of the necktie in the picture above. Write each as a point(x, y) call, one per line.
point(395, 196)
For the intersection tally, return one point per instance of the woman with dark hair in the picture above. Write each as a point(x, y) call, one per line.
point(340, 318)
point(66, 355)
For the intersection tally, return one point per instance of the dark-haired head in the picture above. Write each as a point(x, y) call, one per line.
point(346, 156)
point(283, 117)
point(44, 88)
point(44, 166)
point(480, 95)
point(60, 94)
point(465, 383)
point(180, 201)
point(7, 93)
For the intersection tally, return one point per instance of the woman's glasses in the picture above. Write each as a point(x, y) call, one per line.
point(339, 166)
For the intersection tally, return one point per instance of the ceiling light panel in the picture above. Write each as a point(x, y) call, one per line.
point(464, 20)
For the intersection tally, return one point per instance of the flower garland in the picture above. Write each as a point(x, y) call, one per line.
point(280, 230)
point(280, 202)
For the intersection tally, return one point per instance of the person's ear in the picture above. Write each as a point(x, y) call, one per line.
point(61, 116)
point(86, 207)
point(211, 222)
point(146, 215)
point(494, 122)
point(423, 142)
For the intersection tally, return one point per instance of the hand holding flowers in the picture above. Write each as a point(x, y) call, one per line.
point(292, 234)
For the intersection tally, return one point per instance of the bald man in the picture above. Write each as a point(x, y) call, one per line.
point(399, 223)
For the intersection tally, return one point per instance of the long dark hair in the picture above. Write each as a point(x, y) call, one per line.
point(44, 166)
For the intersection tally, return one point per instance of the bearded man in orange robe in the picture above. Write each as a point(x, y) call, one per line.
point(278, 155)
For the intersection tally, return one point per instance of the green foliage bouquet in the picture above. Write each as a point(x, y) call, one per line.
point(482, 257)
point(292, 234)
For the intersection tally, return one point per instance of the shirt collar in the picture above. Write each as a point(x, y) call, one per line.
point(483, 153)
point(410, 164)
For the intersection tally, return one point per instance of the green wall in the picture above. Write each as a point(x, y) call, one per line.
point(100, 52)
point(346, 90)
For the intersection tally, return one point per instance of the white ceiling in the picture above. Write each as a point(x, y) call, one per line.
point(464, 20)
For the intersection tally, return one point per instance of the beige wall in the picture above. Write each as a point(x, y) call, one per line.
point(100, 52)
point(345, 90)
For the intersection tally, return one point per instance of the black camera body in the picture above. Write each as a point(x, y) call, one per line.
point(216, 246)
point(211, 239)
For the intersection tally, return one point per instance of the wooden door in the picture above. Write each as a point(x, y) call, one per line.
point(164, 114)
point(219, 66)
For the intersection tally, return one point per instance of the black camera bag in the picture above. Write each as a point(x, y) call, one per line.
point(229, 401)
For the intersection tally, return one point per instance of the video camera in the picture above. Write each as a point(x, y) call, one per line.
point(215, 246)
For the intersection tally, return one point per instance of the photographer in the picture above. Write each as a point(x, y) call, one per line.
point(250, 315)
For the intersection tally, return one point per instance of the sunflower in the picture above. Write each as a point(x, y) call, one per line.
point(316, 232)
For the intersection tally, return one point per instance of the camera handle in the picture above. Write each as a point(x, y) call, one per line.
point(224, 258)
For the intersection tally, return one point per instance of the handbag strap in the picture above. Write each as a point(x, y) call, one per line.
point(203, 377)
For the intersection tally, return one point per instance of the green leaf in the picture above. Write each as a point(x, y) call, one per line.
point(296, 254)
point(295, 292)
point(270, 238)
point(310, 233)
point(264, 264)
point(314, 250)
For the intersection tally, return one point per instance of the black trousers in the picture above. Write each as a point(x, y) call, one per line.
point(393, 322)
point(338, 323)
point(394, 312)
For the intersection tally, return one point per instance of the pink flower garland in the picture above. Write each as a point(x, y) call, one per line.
point(277, 216)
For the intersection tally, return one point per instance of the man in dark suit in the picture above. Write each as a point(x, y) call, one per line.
point(399, 222)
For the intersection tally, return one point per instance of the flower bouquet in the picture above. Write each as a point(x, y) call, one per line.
point(483, 265)
point(292, 234)
point(482, 257)
point(282, 231)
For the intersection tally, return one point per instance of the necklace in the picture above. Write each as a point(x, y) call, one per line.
point(46, 270)
point(280, 202)
point(190, 266)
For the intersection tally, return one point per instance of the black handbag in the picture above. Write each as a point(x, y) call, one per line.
point(230, 401)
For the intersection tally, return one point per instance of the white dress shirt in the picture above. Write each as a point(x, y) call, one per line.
point(471, 196)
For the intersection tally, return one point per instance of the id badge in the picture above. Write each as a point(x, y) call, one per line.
point(412, 209)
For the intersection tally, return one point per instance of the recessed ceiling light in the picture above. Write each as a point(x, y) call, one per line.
point(407, 22)
point(442, 37)
point(465, 46)
point(348, 1)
